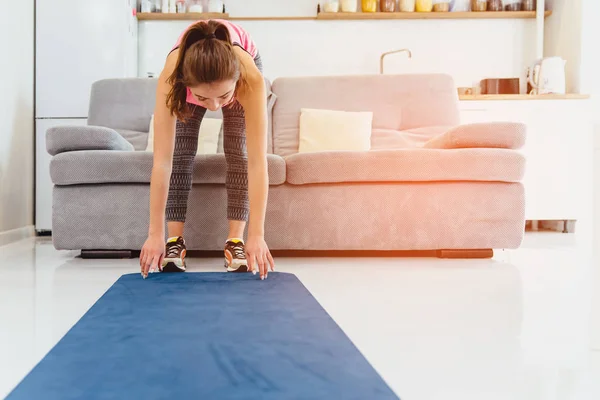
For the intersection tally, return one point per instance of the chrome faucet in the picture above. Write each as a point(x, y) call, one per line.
point(391, 52)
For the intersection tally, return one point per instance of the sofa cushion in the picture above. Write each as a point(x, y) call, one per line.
point(387, 139)
point(406, 165)
point(398, 102)
point(127, 104)
point(123, 103)
point(507, 135)
point(139, 139)
point(209, 135)
point(329, 130)
point(89, 167)
point(66, 138)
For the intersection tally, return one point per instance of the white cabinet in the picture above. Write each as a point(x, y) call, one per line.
point(43, 183)
point(559, 152)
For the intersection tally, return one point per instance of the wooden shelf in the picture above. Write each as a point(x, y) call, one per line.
point(204, 16)
point(568, 96)
point(430, 15)
point(273, 18)
point(346, 16)
point(180, 16)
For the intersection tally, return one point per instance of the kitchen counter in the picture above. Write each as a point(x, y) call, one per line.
point(559, 145)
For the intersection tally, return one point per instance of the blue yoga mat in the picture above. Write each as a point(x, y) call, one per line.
point(204, 336)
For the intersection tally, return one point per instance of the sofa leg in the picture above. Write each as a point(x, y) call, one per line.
point(107, 254)
point(474, 253)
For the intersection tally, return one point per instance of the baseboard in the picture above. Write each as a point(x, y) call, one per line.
point(15, 235)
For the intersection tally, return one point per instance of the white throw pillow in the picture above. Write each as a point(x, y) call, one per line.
point(150, 146)
point(208, 135)
point(208, 138)
point(330, 130)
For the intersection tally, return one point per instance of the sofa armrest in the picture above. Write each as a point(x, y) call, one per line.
point(60, 139)
point(505, 135)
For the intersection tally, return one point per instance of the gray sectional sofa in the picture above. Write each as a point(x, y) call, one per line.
point(464, 192)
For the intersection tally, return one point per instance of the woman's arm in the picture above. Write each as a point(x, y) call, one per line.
point(164, 143)
point(253, 98)
point(152, 253)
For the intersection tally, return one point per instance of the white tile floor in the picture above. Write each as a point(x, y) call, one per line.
point(514, 327)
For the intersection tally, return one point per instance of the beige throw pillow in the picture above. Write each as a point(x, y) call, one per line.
point(330, 130)
point(208, 135)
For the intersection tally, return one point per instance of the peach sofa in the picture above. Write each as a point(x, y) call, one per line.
point(426, 183)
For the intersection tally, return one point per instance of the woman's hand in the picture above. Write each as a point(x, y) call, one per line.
point(152, 254)
point(257, 252)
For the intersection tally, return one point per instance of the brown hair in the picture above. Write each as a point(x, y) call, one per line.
point(205, 56)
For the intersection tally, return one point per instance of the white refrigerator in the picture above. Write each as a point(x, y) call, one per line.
point(77, 43)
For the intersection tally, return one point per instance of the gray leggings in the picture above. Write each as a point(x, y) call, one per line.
point(234, 147)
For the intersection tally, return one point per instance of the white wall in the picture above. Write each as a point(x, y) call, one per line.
point(16, 118)
point(563, 37)
point(590, 65)
point(572, 32)
point(470, 50)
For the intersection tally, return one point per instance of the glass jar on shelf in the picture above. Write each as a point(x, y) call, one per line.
point(146, 6)
point(215, 6)
point(406, 5)
point(494, 5)
point(369, 6)
point(181, 6)
point(529, 5)
point(479, 5)
point(387, 5)
point(461, 6)
point(512, 5)
point(195, 6)
point(424, 5)
point(331, 6)
point(349, 5)
point(441, 5)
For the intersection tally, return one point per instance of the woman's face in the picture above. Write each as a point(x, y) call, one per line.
point(213, 96)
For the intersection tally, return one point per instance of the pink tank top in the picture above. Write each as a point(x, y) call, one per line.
point(239, 37)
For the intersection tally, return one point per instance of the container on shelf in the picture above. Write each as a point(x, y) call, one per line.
point(479, 5)
point(529, 5)
point(387, 5)
point(181, 7)
point(460, 6)
point(441, 5)
point(512, 5)
point(424, 5)
point(500, 86)
point(195, 6)
point(146, 6)
point(406, 5)
point(494, 5)
point(215, 6)
point(349, 5)
point(369, 6)
point(331, 6)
